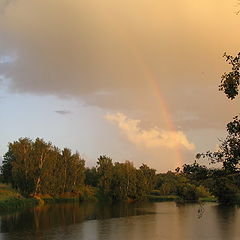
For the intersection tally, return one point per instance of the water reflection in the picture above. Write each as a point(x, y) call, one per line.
point(50, 216)
point(123, 221)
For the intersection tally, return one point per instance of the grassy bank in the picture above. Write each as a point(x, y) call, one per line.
point(11, 200)
point(171, 198)
point(162, 198)
point(86, 194)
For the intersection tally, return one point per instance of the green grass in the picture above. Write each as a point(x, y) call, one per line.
point(162, 198)
point(208, 199)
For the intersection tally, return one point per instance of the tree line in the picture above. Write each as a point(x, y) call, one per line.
point(38, 167)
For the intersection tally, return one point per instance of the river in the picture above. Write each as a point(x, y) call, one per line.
point(141, 221)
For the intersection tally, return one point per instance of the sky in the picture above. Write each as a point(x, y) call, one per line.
point(134, 80)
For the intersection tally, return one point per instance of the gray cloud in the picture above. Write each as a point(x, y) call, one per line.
point(63, 112)
point(133, 51)
point(4, 4)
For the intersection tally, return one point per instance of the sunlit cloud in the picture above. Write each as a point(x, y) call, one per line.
point(151, 138)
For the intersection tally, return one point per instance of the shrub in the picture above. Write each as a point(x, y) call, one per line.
point(202, 192)
point(188, 192)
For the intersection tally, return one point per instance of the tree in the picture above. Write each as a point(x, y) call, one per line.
point(225, 181)
point(22, 167)
point(7, 166)
point(168, 183)
point(91, 177)
point(146, 180)
point(39, 156)
point(124, 181)
point(105, 175)
point(230, 81)
point(229, 149)
point(38, 167)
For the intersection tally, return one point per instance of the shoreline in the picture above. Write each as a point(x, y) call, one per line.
point(18, 203)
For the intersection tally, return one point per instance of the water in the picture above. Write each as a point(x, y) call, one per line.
point(145, 221)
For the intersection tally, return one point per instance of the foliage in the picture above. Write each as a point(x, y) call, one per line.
point(105, 175)
point(195, 172)
point(124, 182)
point(188, 192)
point(167, 183)
point(217, 182)
point(146, 181)
point(38, 167)
point(91, 177)
point(224, 183)
point(225, 190)
point(11, 200)
point(229, 150)
point(230, 81)
point(203, 192)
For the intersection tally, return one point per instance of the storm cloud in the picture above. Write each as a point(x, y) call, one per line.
point(101, 52)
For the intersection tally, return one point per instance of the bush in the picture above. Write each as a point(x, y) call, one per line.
point(202, 192)
point(226, 191)
point(88, 194)
point(188, 192)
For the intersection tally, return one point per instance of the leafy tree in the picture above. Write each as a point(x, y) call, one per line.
point(188, 192)
point(196, 173)
point(23, 172)
point(38, 167)
point(124, 181)
point(40, 154)
point(7, 166)
point(105, 175)
point(51, 177)
point(146, 180)
point(168, 183)
point(149, 176)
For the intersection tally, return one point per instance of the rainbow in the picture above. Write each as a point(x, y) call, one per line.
point(152, 81)
point(155, 87)
point(164, 108)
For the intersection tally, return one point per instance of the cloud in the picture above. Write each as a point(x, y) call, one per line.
point(101, 52)
point(152, 138)
point(4, 4)
point(7, 59)
point(63, 112)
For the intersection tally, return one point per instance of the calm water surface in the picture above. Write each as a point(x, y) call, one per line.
point(145, 221)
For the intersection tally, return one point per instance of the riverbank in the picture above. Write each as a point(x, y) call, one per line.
point(11, 200)
point(175, 198)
